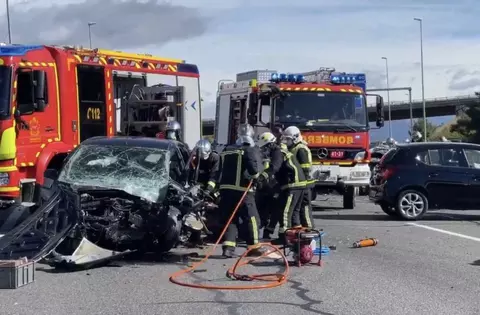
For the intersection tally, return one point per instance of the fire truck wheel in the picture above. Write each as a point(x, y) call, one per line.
point(349, 197)
point(48, 188)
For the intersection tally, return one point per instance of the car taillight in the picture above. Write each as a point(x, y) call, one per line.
point(388, 172)
point(382, 159)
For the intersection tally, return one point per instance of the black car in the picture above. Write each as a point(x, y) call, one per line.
point(413, 178)
point(115, 195)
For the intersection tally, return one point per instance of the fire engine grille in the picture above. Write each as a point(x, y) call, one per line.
point(349, 154)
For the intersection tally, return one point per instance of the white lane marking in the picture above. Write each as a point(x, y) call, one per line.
point(476, 239)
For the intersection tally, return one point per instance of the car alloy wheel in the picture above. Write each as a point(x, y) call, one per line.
point(412, 205)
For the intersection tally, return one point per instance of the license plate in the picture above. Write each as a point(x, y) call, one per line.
point(337, 154)
point(331, 179)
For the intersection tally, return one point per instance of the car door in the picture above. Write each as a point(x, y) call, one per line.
point(446, 178)
point(472, 157)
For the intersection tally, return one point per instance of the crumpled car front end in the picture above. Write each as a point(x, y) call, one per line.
point(108, 201)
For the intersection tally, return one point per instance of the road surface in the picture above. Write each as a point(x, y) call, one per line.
point(428, 267)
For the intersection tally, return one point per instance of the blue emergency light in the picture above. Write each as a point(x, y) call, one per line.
point(17, 50)
point(290, 78)
point(357, 79)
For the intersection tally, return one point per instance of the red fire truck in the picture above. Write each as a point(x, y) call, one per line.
point(54, 97)
point(330, 111)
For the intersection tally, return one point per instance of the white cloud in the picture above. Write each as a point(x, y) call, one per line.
point(303, 35)
point(349, 35)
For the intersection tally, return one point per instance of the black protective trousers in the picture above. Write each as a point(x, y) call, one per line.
point(292, 214)
point(246, 221)
point(276, 211)
point(306, 211)
point(266, 205)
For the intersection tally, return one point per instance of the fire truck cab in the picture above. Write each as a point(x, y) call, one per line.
point(54, 97)
point(330, 111)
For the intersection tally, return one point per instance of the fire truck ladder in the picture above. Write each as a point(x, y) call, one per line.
point(322, 75)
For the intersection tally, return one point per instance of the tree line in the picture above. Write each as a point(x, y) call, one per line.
point(464, 127)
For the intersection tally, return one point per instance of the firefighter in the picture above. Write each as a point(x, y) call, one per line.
point(239, 165)
point(299, 149)
point(208, 163)
point(266, 194)
point(292, 182)
point(173, 131)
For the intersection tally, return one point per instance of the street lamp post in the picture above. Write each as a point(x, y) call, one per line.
point(90, 24)
point(388, 99)
point(423, 82)
point(8, 22)
point(410, 107)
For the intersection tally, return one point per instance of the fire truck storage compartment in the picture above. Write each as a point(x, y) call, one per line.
point(231, 112)
point(91, 94)
point(222, 119)
point(147, 102)
point(123, 83)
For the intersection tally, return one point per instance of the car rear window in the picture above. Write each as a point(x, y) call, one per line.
point(388, 157)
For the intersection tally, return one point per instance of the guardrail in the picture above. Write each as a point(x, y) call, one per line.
point(430, 100)
point(399, 103)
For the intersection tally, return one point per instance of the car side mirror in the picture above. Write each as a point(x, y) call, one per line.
point(40, 79)
point(379, 109)
point(380, 122)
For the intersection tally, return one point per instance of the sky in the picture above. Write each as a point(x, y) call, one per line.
point(224, 37)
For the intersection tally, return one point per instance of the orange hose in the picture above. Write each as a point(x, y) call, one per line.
point(273, 280)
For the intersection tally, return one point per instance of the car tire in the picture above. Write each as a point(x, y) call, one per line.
point(411, 205)
point(349, 197)
point(314, 194)
point(389, 209)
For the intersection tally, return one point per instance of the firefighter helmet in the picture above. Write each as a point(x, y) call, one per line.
point(204, 148)
point(173, 130)
point(245, 130)
point(390, 141)
point(266, 138)
point(292, 134)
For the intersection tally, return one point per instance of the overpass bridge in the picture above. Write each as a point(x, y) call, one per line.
point(440, 106)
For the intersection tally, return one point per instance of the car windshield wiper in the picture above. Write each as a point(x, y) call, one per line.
point(348, 127)
point(298, 123)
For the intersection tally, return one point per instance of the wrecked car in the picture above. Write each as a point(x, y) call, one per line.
point(111, 197)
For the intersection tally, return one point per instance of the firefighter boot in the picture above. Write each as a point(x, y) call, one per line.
point(280, 240)
point(267, 233)
point(255, 251)
point(228, 251)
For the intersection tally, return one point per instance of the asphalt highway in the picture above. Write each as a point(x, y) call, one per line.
point(428, 267)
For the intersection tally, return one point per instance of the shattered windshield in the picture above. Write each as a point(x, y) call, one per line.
point(139, 171)
point(314, 108)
